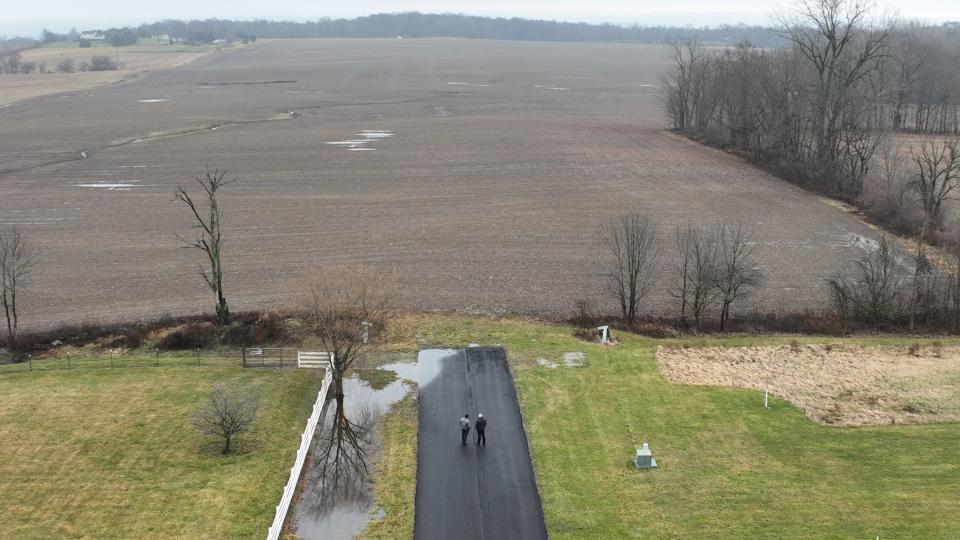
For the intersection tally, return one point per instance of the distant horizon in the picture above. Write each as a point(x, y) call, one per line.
point(32, 28)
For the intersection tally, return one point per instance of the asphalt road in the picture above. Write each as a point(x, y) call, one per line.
point(470, 492)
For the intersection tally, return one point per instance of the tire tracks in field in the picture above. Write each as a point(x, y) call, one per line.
point(86, 153)
point(288, 114)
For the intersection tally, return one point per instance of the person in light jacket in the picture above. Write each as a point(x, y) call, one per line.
point(464, 429)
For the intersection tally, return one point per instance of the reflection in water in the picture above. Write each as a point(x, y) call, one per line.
point(340, 467)
point(337, 498)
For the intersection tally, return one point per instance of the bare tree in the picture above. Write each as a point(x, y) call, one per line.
point(210, 237)
point(843, 47)
point(697, 270)
point(685, 88)
point(874, 293)
point(738, 271)
point(15, 266)
point(630, 263)
point(228, 411)
point(346, 308)
point(938, 172)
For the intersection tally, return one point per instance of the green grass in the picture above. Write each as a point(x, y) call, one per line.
point(396, 472)
point(728, 468)
point(378, 379)
point(136, 359)
point(110, 453)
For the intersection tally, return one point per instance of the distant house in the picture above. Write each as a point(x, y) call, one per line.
point(161, 37)
point(95, 35)
point(219, 41)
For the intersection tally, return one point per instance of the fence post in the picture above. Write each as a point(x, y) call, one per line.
point(244, 352)
point(281, 357)
point(198, 356)
point(158, 356)
point(31, 361)
point(68, 360)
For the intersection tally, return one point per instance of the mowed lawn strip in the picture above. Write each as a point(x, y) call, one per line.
point(396, 472)
point(112, 454)
point(728, 467)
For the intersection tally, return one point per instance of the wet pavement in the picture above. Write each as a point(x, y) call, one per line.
point(470, 492)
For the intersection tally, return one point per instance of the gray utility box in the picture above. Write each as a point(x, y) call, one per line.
point(644, 458)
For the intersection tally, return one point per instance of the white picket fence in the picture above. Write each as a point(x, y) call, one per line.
point(305, 440)
point(314, 359)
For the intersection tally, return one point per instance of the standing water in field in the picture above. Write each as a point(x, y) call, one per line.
point(337, 499)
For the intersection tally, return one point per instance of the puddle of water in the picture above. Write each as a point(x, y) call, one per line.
point(457, 83)
point(375, 134)
point(429, 363)
point(151, 100)
point(349, 515)
point(365, 137)
point(110, 186)
point(405, 371)
point(352, 142)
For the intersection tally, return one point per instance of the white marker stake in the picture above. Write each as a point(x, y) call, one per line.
point(766, 396)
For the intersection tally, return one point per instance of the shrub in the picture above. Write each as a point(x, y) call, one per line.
point(132, 337)
point(67, 65)
point(268, 327)
point(103, 63)
point(190, 336)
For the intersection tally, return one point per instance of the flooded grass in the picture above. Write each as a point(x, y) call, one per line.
point(338, 501)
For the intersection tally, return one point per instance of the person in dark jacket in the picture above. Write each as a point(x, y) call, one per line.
point(464, 429)
point(481, 427)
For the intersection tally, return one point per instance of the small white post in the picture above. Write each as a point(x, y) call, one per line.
point(766, 397)
point(366, 331)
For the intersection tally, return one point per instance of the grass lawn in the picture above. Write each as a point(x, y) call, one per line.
point(110, 453)
point(728, 468)
point(396, 472)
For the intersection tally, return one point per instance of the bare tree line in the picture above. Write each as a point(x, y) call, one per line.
point(12, 63)
point(708, 270)
point(713, 266)
point(817, 108)
point(890, 288)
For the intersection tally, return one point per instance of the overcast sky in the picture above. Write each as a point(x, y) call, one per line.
point(28, 18)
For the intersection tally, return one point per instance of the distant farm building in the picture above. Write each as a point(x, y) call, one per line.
point(95, 35)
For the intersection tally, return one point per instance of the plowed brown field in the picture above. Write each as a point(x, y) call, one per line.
point(486, 168)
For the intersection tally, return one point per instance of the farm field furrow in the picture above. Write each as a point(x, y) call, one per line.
point(478, 170)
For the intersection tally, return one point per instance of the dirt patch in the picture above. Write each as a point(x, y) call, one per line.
point(834, 384)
